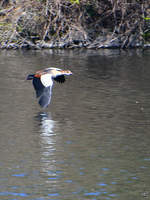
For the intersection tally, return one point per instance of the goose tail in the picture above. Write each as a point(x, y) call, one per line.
point(30, 77)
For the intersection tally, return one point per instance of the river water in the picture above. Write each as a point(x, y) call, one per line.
point(92, 142)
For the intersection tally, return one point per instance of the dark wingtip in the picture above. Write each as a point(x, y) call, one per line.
point(60, 79)
point(30, 77)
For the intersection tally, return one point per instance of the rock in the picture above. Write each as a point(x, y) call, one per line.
point(111, 43)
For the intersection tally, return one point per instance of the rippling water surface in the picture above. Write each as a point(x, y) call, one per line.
point(92, 142)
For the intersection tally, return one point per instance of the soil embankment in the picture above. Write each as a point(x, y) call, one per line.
point(74, 23)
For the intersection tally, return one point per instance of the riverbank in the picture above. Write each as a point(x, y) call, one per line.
point(74, 24)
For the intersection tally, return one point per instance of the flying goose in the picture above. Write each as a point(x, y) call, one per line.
point(43, 81)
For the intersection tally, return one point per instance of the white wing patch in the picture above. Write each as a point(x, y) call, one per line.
point(46, 80)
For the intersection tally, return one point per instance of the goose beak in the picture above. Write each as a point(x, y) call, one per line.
point(66, 72)
point(69, 72)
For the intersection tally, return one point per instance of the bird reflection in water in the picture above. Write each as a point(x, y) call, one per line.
point(47, 125)
point(47, 142)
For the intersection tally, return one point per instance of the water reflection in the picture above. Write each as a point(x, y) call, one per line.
point(47, 125)
point(47, 142)
point(47, 139)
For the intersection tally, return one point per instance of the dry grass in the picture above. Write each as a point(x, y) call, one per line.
point(50, 20)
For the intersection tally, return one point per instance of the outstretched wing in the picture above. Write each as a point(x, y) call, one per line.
point(38, 86)
point(60, 79)
point(45, 98)
point(42, 92)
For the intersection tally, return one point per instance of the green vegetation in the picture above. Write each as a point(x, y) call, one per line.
point(147, 18)
point(146, 32)
point(75, 1)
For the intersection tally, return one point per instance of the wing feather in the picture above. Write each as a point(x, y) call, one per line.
point(45, 98)
point(60, 79)
point(38, 86)
point(43, 93)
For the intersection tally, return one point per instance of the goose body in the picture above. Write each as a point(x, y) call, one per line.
point(43, 81)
